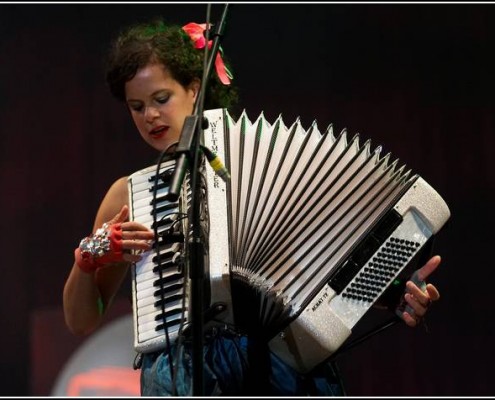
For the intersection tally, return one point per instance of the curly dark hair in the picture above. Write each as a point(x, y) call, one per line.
point(156, 41)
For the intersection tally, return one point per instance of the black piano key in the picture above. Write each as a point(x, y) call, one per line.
point(166, 221)
point(168, 289)
point(165, 176)
point(170, 324)
point(163, 266)
point(162, 207)
point(168, 279)
point(160, 185)
point(167, 252)
point(168, 300)
point(167, 239)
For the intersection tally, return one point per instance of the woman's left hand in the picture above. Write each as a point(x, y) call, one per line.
point(420, 300)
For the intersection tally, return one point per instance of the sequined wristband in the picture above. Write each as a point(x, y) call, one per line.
point(101, 248)
point(86, 265)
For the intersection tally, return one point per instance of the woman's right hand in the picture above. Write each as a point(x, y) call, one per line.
point(136, 238)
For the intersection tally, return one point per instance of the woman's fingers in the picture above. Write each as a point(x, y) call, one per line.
point(132, 227)
point(426, 270)
point(121, 216)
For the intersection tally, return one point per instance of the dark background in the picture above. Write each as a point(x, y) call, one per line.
point(417, 79)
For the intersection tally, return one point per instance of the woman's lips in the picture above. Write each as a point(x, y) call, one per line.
point(158, 133)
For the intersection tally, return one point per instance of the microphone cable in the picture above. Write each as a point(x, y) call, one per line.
point(216, 163)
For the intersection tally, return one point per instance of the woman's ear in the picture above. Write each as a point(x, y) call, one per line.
point(195, 86)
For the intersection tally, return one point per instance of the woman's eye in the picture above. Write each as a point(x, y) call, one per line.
point(136, 107)
point(162, 100)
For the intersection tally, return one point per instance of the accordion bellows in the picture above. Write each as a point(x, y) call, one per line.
point(309, 232)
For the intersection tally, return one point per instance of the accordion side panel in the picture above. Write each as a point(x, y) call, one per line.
point(218, 233)
point(335, 312)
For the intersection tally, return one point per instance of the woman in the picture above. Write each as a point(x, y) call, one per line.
point(156, 71)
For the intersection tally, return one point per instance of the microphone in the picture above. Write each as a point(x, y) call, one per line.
point(216, 163)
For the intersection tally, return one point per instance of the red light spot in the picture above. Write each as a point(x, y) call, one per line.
point(111, 380)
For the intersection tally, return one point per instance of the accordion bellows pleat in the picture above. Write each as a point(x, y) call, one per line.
point(301, 218)
point(300, 197)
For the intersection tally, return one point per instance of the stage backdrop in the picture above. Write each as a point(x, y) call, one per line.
point(416, 79)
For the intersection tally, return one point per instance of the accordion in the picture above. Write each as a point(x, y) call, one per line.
point(306, 235)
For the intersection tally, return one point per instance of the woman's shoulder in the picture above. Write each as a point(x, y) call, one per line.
point(118, 189)
point(120, 184)
point(115, 198)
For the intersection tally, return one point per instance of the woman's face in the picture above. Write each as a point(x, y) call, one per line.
point(159, 105)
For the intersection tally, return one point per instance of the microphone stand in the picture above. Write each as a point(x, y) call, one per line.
point(188, 152)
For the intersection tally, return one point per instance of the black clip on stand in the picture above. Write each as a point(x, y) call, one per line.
point(188, 148)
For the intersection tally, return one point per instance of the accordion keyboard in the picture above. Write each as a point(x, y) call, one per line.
point(159, 285)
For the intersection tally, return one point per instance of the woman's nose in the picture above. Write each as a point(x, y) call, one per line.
point(151, 113)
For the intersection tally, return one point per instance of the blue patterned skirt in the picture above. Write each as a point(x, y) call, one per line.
point(234, 365)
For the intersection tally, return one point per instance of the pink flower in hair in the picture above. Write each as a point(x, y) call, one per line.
point(196, 33)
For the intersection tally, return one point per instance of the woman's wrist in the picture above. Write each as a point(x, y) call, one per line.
point(101, 248)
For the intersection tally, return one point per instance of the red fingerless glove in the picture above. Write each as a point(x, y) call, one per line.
point(101, 248)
